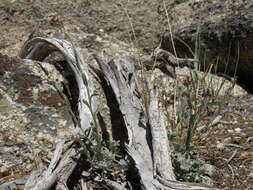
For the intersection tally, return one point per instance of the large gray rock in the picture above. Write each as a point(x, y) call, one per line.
point(225, 30)
point(32, 113)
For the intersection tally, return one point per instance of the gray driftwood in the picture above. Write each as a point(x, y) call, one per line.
point(146, 142)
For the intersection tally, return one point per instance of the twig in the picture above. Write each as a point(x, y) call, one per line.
point(233, 155)
point(46, 179)
point(234, 145)
point(228, 122)
point(169, 58)
point(232, 171)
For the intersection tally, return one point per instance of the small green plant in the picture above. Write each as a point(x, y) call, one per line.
point(103, 156)
point(195, 102)
point(187, 165)
point(198, 99)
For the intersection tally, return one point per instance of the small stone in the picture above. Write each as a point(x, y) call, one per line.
point(85, 174)
point(3, 169)
point(62, 122)
point(238, 130)
point(208, 169)
point(29, 167)
point(220, 146)
point(55, 115)
point(230, 131)
point(227, 140)
point(236, 140)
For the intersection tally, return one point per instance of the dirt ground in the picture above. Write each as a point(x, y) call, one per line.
point(131, 21)
point(228, 146)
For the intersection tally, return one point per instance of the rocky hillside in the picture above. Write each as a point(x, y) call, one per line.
point(33, 115)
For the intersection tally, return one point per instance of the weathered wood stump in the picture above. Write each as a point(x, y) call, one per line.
point(145, 141)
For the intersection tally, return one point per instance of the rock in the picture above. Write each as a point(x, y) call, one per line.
point(25, 117)
point(214, 82)
point(227, 140)
point(220, 146)
point(238, 130)
point(207, 180)
point(208, 169)
point(225, 31)
point(3, 170)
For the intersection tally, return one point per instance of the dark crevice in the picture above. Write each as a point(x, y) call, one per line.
point(119, 130)
point(70, 87)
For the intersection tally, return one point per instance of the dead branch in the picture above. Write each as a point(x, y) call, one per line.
point(166, 62)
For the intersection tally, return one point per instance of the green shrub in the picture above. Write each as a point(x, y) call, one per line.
point(187, 166)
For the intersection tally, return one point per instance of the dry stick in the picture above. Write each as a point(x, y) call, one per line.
point(232, 171)
point(166, 60)
point(13, 183)
point(161, 150)
point(232, 156)
point(47, 179)
point(183, 186)
point(66, 167)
